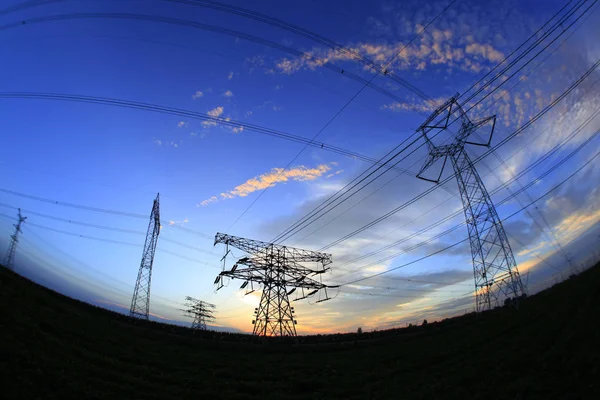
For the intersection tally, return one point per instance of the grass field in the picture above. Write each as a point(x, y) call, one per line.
point(55, 347)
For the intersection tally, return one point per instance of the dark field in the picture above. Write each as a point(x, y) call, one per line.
point(56, 347)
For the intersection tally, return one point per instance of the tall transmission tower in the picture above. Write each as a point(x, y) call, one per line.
point(495, 269)
point(9, 259)
point(279, 271)
point(201, 312)
point(140, 303)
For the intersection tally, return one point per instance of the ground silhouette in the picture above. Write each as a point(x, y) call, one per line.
point(56, 347)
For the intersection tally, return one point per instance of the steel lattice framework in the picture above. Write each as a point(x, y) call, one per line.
point(140, 303)
point(495, 269)
point(280, 271)
point(9, 259)
point(201, 312)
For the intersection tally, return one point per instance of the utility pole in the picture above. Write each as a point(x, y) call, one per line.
point(279, 271)
point(140, 303)
point(495, 269)
point(9, 259)
point(201, 312)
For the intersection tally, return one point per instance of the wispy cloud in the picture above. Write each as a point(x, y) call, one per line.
point(206, 202)
point(339, 171)
point(453, 47)
point(230, 76)
point(215, 113)
point(158, 142)
point(181, 124)
point(429, 105)
point(182, 222)
point(271, 179)
point(197, 95)
point(227, 93)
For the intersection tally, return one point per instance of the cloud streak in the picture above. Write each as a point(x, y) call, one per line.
point(271, 179)
point(215, 113)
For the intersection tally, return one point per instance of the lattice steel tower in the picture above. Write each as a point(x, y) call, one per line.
point(140, 303)
point(9, 259)
point(201, 312)
point(280, 271)
point(496, 274)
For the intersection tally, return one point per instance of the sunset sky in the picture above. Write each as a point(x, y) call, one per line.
point(222, 176)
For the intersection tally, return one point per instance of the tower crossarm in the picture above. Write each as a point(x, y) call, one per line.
point(290, 275)
point(255, 247)
point(439, 119)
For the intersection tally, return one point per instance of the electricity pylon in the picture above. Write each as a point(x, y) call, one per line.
point(140, 303)
point(9, 259)
point(280, 271)
point(201, 312)
point(495, 269)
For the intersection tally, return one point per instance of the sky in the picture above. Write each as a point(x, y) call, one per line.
point(222, 175)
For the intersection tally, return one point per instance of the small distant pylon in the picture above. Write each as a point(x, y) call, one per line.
point(140, 303)
point(9, 259)
point(201, 312)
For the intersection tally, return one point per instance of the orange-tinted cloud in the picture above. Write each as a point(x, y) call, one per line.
point(271, 179)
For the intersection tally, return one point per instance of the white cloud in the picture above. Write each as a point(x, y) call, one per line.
point(206, 202)
point(181, 124)
point(415, 105)
point(215, 113)
point(227, 93)
point(157, 142)
point(197, 95)
point(182, 222)
point(230, 76)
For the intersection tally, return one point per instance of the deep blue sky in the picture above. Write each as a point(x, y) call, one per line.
point(207, 175)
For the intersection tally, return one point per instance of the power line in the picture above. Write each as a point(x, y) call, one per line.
point(355, 56)
point(197, 25)
point(306, 220)
point(309, 142)
point(514, 178)
point(485, 154)
point(99, 210)
point(70, 221)
point(345, 106)
point(464, 240)
point(112, 241)
point(109, 228)
point(503, 201)
point(191, 115)
point(90, 281)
